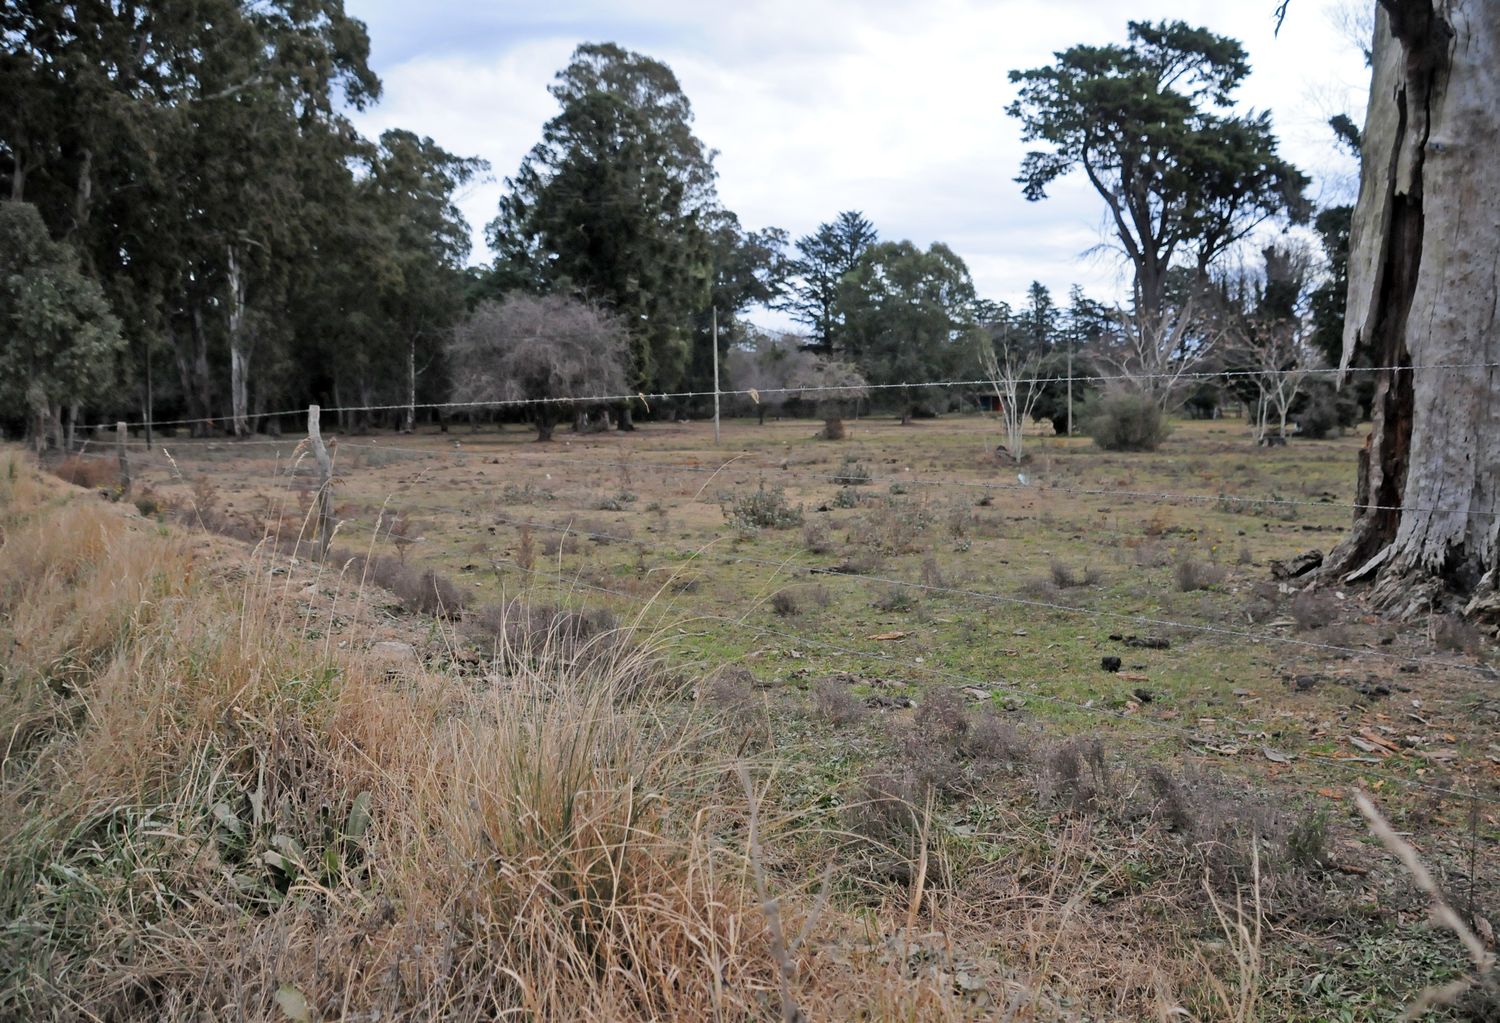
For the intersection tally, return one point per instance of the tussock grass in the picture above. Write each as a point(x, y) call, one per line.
point(206, 811)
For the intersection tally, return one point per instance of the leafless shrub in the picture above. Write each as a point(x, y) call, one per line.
point(893, 527)
point(539, 348)
point(1451, 633)
point(784, 603)
point(895, 599)
point(1314, 609)
point(817, 538)
point(1077, 774)
point(1064, 577)
point(1192, 574)
point(835, 704)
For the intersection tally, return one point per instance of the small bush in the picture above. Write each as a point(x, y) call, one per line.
point(835, 704)
point(895, 598)
point(1192, 574)
point(852, 473)
point(845, 498)
point(1307, 841)
point(1065, 578)
point(1126, 422)
point(1314, 609)
point(763, 509)
point(784, 603)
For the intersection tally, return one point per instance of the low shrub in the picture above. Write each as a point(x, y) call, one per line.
point(761, 509)
point(1126, 422)
point(1192, 574)
point(852, 473)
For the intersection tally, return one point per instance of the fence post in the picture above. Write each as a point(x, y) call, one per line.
point(325, 480)
point(122, 436)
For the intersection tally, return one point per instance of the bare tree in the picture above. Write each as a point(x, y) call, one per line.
point(551, 351)
point(1013, 377)
point(833, 385)
point(1269, 333)
point(1155, 351)
point(769, 365)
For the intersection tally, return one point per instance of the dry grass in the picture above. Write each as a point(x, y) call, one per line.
point(205, 811)
point(215, 805)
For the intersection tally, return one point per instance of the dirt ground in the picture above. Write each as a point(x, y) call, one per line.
point(822, 590)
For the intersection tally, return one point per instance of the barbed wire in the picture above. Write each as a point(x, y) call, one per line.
point(1039, 488)
point(849, 390)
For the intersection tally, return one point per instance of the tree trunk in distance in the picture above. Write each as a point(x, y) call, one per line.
point(1422, 286)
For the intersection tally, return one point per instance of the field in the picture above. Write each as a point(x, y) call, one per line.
point(1044, 738)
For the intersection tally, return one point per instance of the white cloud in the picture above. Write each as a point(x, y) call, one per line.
point(893, 107)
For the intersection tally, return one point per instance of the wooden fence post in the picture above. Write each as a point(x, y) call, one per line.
point(325, 480)
point(122, 437)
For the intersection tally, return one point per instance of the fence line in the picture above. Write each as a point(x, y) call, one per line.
point(754, 393)
point(1039, 488)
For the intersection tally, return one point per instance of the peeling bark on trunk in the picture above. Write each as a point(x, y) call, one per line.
point(411, 387)
point(239, 348)
point(1423, 280)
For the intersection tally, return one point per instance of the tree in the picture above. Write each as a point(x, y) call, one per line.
point(1183, 177)
point(907, 312)
point(1421, 294)
point(614, 203)
point(769, 365)
point(551, 351)
point(1012, 371)
point(61, 340)
point(1270, 336)
point(824, 259)
point(411, 189)
point(832, 385)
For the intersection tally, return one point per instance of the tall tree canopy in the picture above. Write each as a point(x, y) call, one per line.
point(616, 202)
point(201, 161)
point(816, 275)
point(60, 339)
point(906, 312)
point(1151, 125)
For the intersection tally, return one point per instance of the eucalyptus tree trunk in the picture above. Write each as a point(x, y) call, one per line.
point(1422, 293)
point(239, 350)
point(411, 386)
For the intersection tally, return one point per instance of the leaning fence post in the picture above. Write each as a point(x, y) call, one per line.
point(325, 480)
point(122, 436)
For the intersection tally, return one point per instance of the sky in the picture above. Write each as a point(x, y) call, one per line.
point(892, 107)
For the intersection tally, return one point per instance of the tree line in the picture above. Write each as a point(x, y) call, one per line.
point(196, 230)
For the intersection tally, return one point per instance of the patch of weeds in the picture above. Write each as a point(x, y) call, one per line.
point(852, 473)
point(1191, 574)
point(835, 704)
point(845, 498)
point(513, 493)
point(1314, 609)
point(784, 603)
point(895, 599)
point(616, 502)
point(762, 509)
point(1064, 577)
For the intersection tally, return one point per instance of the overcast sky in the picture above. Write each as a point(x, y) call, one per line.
point(892, 107)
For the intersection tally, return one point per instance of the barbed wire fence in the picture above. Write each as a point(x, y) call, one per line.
point(286, 453)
